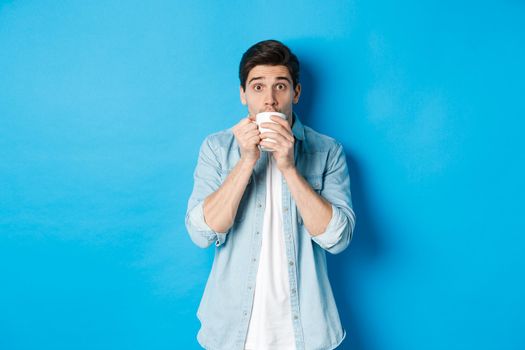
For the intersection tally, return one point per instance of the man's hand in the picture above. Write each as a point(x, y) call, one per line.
point(283, 150)
point(248, 137)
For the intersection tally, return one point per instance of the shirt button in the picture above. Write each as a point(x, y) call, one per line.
point(295, 317)
point(293, 291)
point(285, 210)
point(257, 232)
point(254, 259)
point(249, 287)
point(291, 263)
point(258, 204)
point(245, 313)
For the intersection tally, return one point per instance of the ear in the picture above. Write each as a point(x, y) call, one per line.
point(297, 93)
point(242, 95)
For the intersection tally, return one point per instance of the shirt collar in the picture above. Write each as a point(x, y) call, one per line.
point(297, 127)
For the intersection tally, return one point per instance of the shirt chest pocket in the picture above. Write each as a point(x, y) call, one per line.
point(243, 205)
point(316, 183)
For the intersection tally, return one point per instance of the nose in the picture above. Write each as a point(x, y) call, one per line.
point(270, 100)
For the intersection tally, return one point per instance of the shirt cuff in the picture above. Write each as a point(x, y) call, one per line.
point(334, 231)
point(197, 221)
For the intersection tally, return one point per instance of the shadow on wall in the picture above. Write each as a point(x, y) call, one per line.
point(365, 246)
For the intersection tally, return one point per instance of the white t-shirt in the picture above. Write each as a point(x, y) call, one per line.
point(270, 325)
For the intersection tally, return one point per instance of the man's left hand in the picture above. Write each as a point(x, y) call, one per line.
point(283, 147)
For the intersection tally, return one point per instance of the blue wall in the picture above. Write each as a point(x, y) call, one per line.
point(103, 106)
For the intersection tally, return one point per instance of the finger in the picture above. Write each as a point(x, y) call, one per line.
point(249, 128)
point(277, 137)
point(277, 141)
point(281, 121)
point(254, 140)
point(269, 145)
point(275, 147)
point(252, 133)
point(279, 129)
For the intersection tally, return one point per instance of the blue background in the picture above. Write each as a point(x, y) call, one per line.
point(104, 104)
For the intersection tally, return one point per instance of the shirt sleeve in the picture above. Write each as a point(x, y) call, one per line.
point(336, 190)
point(207, 179)
point(203, 234)
point(338, 233)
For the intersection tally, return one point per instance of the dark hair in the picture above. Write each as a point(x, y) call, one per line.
point(271, 53)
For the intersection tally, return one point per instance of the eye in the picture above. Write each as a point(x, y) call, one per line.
point(257, 87)
point(281, 86)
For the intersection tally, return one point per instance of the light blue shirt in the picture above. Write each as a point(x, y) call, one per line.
point(225, 307)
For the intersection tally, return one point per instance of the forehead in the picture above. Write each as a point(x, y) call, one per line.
point(268, 72)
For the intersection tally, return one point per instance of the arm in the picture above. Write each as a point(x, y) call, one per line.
point(213, 203)
point(207, 179)
point(314, 209)
point(336, 190)
point(329, 217)
point(221, 206)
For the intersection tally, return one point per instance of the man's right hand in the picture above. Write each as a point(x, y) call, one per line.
point(220, 207)
point(248, 137)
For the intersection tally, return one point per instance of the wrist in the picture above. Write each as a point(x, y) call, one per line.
point(290, 171)
point(248, 162)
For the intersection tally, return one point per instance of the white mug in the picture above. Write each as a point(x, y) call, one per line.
point(264, 117)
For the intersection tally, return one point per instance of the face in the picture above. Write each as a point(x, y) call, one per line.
point(269, 89)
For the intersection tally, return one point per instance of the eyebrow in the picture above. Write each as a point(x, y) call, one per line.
point(278, 78)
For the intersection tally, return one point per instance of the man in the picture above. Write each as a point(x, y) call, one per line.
point(272, 215)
